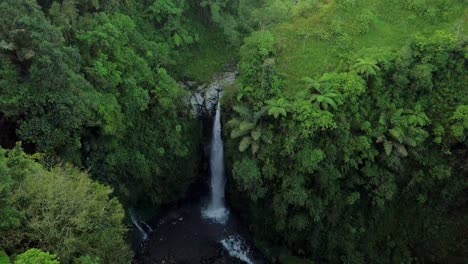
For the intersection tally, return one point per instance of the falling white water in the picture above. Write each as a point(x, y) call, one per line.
point(216, 209)
point(148, 227)
point(135, 221)
point(237, 248)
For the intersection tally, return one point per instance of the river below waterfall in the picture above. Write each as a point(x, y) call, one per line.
point(203, 231)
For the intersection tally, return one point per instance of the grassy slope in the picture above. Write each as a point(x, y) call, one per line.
point(209, 55)
point(316, 42)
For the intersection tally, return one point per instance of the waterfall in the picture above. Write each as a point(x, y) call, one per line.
point(148, 227)
point(216, 209)
point(144, 235)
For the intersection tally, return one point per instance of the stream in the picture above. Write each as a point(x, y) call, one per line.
point(204, 230)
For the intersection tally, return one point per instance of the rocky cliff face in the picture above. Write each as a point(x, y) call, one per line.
point(204, 97)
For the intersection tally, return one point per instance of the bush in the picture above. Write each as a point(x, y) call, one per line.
point(62, 210)
point(35, 256)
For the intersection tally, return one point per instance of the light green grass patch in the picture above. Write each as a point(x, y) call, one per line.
point(317, 43)
point(210, 55)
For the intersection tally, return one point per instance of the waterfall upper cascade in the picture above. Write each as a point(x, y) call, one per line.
point(216, 209)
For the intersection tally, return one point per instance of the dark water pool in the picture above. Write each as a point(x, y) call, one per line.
point(183, 235)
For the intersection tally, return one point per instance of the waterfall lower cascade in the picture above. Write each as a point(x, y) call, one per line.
point(144, 234)
point(216, 210)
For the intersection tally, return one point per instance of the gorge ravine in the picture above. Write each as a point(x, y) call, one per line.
point(204, 231)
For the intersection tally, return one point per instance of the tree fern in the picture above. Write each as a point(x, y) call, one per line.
point(246, 127)
point(278, 107)
point(326, 96)
point(367, 67)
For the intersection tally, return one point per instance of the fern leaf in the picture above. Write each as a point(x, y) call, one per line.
point(233, 123)
point(256, 134)
point(260, 113)
point(255, 148)
point(7, 46)
point(237, 133)
point(243, 111)
point(308, 80)
point(388, 146)
point(246, 126)
point(401, 150)
point(244, 144)
point(396, 133)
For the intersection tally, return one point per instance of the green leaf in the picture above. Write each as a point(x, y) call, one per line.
point(177, 39)
point(255, 148)
point(246, 126)
point(244, 144)
point(7, 46)
point(401, 150)
point(410, 141)
point(233, 123)
point(95, 4)
point(256, 134)
point(396, 133)
point(237, 133)
point(331, 102)
point(243, 111)
point(388, 146)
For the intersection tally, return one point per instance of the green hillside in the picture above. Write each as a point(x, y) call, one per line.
point(320, 35)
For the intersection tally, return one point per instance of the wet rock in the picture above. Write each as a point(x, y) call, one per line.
point(203, 98)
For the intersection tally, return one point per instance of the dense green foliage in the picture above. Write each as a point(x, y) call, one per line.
point(88, 83)
point(347, 128)
point(364, 160)
point(59, 209)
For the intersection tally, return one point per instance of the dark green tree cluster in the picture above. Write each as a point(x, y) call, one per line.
point(90, 82)
point(365, 164)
